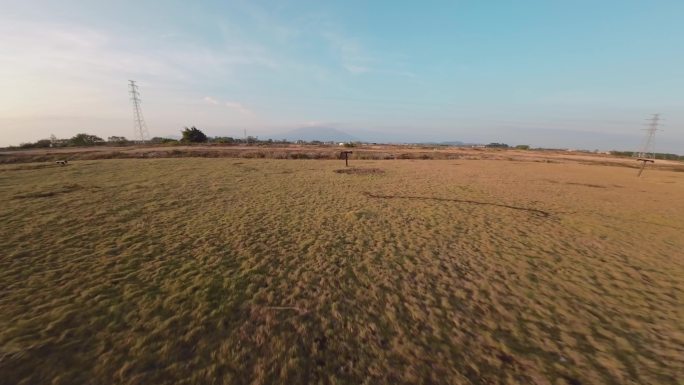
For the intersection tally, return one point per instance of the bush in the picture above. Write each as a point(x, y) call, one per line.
point(43, 143)
point(223, 140)
point(160, 140)
point(82, 140)
point(117, 140)
point(299, 155)
point(193, 135)
point(496, 145)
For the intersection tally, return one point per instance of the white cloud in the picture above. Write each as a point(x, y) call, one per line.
point(352, 56)
point(239, 107)
point(356, 69)
point(233, 105)
point(68, 52)
point(356, 59)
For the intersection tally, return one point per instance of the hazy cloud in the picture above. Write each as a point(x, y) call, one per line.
point(239, 107)
point(233, 105)
point(351, 54)
point(356, 69)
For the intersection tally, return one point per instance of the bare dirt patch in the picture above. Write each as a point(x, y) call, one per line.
point(592, 185)
point(586, 185)
point(360, 171)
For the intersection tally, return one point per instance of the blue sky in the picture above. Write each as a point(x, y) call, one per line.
point(581, 74)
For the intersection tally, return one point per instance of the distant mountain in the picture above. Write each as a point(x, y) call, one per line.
point(324, 134)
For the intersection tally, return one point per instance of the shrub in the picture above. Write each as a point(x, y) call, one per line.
point(81, 140)
point(117, 140)
point(222, 140)
point(193, 135)
point(43, 143)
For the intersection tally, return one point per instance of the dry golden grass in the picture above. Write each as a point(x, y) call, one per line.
point(293, 151)
point(245, 271)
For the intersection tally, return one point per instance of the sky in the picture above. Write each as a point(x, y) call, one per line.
point(552, 73)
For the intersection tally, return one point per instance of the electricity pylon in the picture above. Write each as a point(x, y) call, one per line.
point(141, 134)
point(646, 153)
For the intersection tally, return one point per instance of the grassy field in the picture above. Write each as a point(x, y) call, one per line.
point(259, 271)
point(329, 152)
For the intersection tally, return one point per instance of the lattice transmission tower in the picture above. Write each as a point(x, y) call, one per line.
point(141, 133)
point(646, 153)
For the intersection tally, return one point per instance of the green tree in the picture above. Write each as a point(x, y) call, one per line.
point(43, 143)
point(85, 140)
point(193, 135)
point(496, 145)
point(222, 139)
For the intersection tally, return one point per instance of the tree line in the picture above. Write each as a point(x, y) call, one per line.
point(658, 155)
point(188, 135)
point(195, 135)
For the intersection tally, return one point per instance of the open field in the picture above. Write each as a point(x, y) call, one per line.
point(259, 271)
point(294, 151)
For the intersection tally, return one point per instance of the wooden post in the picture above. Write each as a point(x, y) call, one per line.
point(345, 155)
point(643, 164)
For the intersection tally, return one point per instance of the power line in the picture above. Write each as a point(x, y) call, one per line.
point(141, 133)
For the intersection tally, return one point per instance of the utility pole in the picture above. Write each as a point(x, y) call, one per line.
point(141, 134)
point(646, 153)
